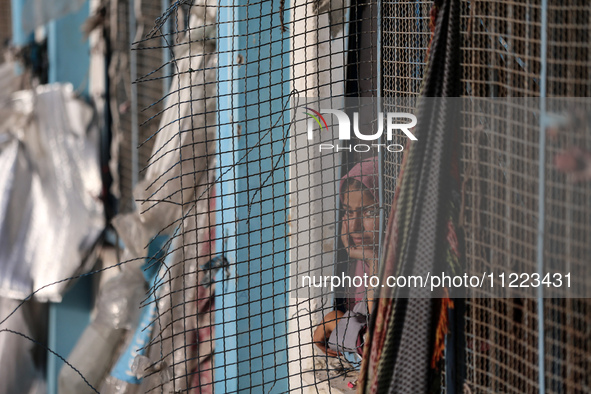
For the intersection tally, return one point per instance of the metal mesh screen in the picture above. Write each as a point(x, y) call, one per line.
point(568, 231)
point(134, 105)
point(405, 38)
point(502, 57)
point(246, 201)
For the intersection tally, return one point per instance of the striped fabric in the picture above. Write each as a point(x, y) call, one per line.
point(404, 348)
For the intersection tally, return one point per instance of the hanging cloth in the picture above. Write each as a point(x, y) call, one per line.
point(406, 338)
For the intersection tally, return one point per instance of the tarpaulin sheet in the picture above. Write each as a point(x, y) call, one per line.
point(50, 212)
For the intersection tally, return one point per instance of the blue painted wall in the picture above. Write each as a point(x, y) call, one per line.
point(69, 61)
point(68, 51)
point(19, 37)
point(251, 315)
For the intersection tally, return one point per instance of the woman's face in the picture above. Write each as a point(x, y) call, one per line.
point(360, 229)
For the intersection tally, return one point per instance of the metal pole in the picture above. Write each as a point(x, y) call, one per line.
point(166, 42)
point(541, 193)
point(379, 108)
point(133, 99)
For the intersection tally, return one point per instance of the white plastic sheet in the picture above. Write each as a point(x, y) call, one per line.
point(50, 212)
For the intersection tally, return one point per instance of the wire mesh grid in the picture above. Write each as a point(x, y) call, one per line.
point(405, 39)
point(230, 173)
point(231, 73)
point(502, 58)
point(133, 105)
point(567, 205)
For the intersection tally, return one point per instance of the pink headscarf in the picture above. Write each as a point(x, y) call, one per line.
point(365, 172)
